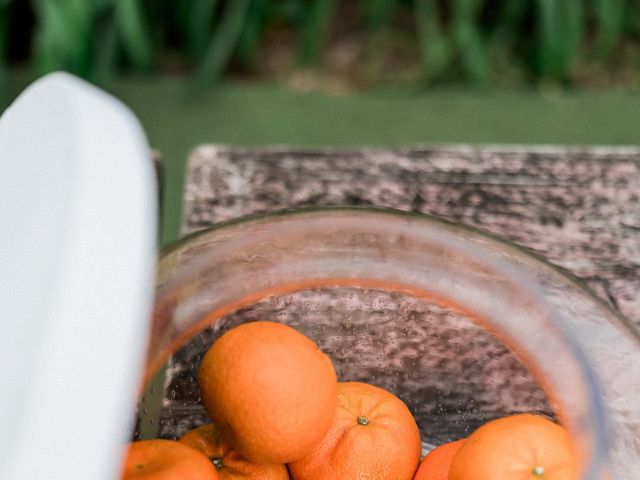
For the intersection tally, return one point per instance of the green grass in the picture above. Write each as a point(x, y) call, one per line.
point(243, 114)
point(473, 41)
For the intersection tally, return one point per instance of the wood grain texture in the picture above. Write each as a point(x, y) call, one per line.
point(578, 208)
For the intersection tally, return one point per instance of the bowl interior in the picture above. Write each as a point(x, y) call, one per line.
point(453, 374)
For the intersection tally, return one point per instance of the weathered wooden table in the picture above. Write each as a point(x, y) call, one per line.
point(579, 208)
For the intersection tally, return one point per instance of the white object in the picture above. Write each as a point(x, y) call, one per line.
point(77, 251)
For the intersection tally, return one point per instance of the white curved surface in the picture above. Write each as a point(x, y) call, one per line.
point(77, 250)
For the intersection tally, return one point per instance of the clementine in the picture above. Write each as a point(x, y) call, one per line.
point(166, 460)
point(518, 447)
point(230, 464)
point(436, 464)
point(270, 390)
point(373, 436)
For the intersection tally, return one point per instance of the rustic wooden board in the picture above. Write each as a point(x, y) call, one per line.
point(578, 208)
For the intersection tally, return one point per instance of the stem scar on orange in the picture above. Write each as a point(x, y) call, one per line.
point(230, 464)
point(527, 447)
point(166, 460)
point(437, 463)
point(373, 436)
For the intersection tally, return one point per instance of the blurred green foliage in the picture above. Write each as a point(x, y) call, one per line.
point(472, 41)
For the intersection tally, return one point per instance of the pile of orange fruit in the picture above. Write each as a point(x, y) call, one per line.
point(279, 413)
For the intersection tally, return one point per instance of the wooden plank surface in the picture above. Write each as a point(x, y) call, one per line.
point(579, 208)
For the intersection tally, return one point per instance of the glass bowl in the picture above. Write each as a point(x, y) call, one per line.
point(463, 326)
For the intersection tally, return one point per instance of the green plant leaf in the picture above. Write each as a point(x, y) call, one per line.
point(251, 33)
point(560, 26)
point(509, 21)
point(631, 20)
point(199, 21)
point(221, 45)
point(59, 42)
point(314, 29)
point(378, 12)
point(435, 47)
point(609, 17)
point(133, 33)
point(104, 56)
point(469, 40)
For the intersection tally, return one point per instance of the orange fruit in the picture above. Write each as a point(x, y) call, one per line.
point(436, 464)
point(166, 460)
point(230, 464)
point(373, 436)
point(270, 390)
point(519, 447)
